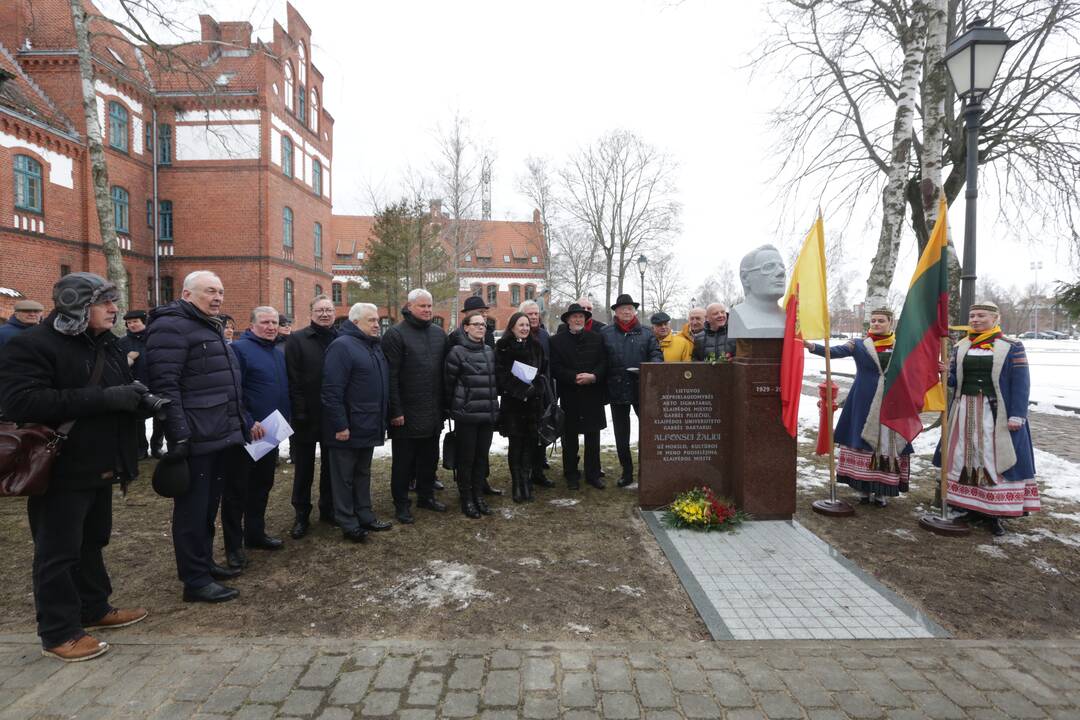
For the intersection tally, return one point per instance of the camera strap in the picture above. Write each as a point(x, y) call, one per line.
point(64, 429)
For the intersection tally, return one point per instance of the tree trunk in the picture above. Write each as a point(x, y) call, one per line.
point(893, 197)
point(99, 172)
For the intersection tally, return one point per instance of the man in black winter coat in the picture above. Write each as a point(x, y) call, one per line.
point(415, 349)
point(206, 425)
point(304, 352)
point(71, 368)
point(133, 344)
point(579, 366)
point(713, 342)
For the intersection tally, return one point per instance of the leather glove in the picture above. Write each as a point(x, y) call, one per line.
point(178, 452)
point(123, 398)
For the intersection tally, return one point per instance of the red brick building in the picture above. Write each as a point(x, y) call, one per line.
point(244, 158)
point(505, 264)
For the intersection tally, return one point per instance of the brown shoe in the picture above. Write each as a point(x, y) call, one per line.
point(117, 618)
point(78, 649)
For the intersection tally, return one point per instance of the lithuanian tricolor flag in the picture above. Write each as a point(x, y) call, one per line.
point(807, 308)
point(912, 383)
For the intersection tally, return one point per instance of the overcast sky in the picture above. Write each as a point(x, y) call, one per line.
point(545, 78)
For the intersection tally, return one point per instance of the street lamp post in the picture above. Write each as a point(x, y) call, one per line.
point(973, 60)
point(642, 265)
point(1036, 266)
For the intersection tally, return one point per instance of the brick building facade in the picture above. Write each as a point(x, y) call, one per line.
point(244, 150)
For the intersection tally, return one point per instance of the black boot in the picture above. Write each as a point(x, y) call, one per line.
point(517, 475)
point(478, 497)
point(996, 526)
point(468, 505)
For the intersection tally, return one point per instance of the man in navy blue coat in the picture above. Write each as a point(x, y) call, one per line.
point(356, 415)
point(265, 385)
point(189, 362)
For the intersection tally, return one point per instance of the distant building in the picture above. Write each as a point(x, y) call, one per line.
point(244, 159)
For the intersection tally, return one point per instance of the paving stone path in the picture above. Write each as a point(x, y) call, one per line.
point(278, 677)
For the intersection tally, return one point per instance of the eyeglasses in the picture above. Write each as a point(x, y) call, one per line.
point(767, 268)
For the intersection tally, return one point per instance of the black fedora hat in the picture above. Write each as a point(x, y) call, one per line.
point(575, 308)
point(624, 299)
point(474, 302)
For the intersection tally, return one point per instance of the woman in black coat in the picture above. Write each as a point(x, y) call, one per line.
point(472, 397)
point(521, 403)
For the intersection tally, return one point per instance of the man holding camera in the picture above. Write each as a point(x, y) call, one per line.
point(190, 364)
point(71, 368)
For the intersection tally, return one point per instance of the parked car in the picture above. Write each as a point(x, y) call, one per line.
point(1042, 335)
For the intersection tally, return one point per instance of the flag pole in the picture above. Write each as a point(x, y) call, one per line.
point(942, 524)
point(829, 422)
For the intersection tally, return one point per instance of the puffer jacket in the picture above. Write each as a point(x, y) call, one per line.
point(262, 376)
point(627, 350)
point(355, 390)
point(472, 392)
point(415, 351)
point(44, 376)
point(189, 362)
point(712, 344)
point(520, 404)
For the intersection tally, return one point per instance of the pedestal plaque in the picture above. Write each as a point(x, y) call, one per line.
point(685, 420)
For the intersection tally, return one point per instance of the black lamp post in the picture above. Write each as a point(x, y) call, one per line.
point(642, 265)
point(973, 60)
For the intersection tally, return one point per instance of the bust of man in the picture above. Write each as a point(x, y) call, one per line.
point(764, 282)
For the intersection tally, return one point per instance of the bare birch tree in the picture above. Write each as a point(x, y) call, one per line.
point(621, 189)
point(574, 267)
point(536, 185)
point(664, 284)
point(458, 170)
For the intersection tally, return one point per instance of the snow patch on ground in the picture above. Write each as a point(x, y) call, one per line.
point(993, 551)
point(1071, 517)
point(1044, 567)
point(1038, 535)
point(563, 502)
point(1057, 476)
point(579, 629)
point(902, 533)
point(628, 591)
point(530, 561)
point(441, 583)
point(809, 475)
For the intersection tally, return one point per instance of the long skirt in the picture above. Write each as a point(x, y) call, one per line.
point(854, 468)
point(974, 483)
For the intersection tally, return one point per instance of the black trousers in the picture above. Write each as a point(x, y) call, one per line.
point(157, 438)
point(71, 585)
point(244, 500)
point(592, 456)
point(304, 477)
point(536, 459)
point(473, 447)
point(620, 419)
point(194, 513)
point(351, 472)
point(413, 458)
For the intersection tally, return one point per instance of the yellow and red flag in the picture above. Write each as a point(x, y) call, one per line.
point(807, 307)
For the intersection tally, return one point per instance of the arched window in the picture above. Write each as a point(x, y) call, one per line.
point(318, 240)
point(477, 290)
point(314, 109)
point(316, 177)
point(301, 51)
point(289, 297)
point(286, 156)
point(286, 227)
point(335, 293)
point(118, 126)
point(318, 290)
point(530, 292)
point(290, 87)
point(438, 321)
point(492, 295)
point(515, 295)
point(120, 208)
point(27, 183)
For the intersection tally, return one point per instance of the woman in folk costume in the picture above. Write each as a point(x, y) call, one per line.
point(873, 459)
point(991, 460)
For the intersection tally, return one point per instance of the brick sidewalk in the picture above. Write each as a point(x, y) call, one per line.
point(278, 677)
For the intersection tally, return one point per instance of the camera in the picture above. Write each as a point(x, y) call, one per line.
point(151, 405)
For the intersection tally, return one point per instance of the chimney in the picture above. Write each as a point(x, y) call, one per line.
point(536, 217)
point(211, 32)
point(436, 208)
point(236, 33)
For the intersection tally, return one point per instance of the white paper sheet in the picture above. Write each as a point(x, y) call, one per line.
point(277, 429)
point(524, 373)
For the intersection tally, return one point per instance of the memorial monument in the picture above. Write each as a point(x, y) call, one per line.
point(720, 424)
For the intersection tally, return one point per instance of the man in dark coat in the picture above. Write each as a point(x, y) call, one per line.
point(415, 349)
point(579, 366)
point(356, 413)
point(473, 304)
point(628, 345)
point(27, 314)
point(713, 342)
point(47, 375)
point(206, 425)
point(304, 353)
point(265, 389)
point(133, 344)
point(592, 324)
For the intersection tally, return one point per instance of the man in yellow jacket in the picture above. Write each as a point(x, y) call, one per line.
point(676, 348)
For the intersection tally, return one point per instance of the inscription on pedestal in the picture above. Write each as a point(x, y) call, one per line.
point(688, 422)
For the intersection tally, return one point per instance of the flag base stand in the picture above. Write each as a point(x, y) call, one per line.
point(947, 528)
point(832, 508)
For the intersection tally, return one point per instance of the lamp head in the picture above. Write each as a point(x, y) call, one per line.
point(973, 59)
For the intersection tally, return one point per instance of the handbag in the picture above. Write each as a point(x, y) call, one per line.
point(449, 450)
point(28, 450)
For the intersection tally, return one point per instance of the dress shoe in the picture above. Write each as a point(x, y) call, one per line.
point(224, 573)
point(117, 618)
point(212, 593)
point(573, 483)
point(481, 505)
point(596, 483)
point(265, 543)
point(488, 490)
point(299, 529)
point(358, 535)
point(77, 649)
point(626, 482)
point(377, 526)
point(438, 485)
point(996, 527)
point(405, 517)
point(237, 559)
point(431, 504)
point(542, 480)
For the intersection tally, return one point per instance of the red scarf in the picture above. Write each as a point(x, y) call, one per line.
point(588, 325)
point(627, 327)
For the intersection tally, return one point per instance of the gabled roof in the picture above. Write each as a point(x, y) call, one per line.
point(22, 96)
